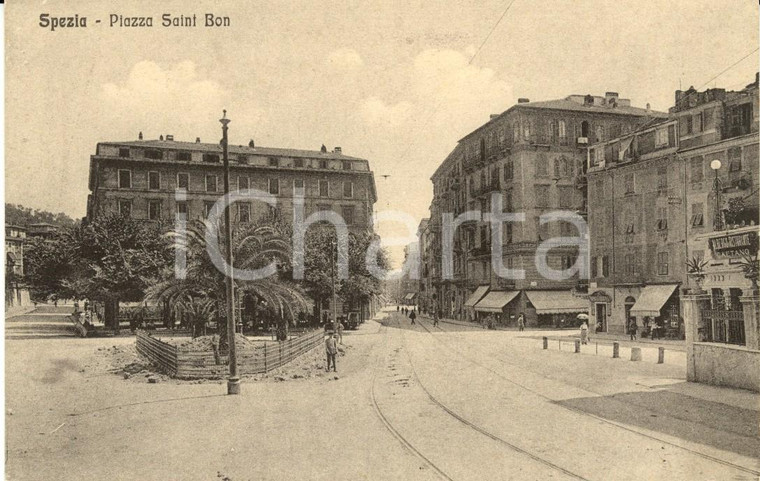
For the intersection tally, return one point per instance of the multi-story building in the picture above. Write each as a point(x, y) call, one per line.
point(534, 156)
point(426, 294)
point(15, 295)
point(652, 199)
point(140, 178)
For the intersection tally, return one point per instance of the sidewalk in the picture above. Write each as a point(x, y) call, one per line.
point(624, 340)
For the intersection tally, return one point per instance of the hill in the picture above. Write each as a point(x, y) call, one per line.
point(17, 214)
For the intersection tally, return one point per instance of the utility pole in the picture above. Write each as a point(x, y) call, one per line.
point(233, 383)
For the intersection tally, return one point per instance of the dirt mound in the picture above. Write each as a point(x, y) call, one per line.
point(207, 343)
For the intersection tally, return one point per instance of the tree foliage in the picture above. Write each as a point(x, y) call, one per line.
point(17, 214)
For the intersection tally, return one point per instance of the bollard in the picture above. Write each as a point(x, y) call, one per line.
point(660, 355)
point(635, 354)
point(577, 346)
point(546, 342)
point(615, 349)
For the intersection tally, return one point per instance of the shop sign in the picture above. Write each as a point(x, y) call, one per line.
point(734, 246)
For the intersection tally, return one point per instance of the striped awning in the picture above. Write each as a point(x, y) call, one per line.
point(495, 301)
point(556, 302)
point(652, 299)
point(476, 296)
point(410, 296)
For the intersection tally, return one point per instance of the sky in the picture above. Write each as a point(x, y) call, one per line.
point(397, 83)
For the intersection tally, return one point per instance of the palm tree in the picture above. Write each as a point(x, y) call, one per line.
point(253, 246)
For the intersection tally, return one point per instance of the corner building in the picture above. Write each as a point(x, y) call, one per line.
point(534, 156)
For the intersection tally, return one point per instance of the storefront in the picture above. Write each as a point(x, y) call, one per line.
point(496, 303)
point(657, 312)
point(474, 298)
point(556, 308)
point(600, 306)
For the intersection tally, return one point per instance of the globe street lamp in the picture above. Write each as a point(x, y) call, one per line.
point(718, 220)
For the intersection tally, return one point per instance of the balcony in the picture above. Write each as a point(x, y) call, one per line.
point(486, 189)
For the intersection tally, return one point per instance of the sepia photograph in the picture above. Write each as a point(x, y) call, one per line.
point(381, 240)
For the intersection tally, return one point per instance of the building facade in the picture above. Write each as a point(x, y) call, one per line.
point(16, 296)
point(141, 179)
point(533, 156)
point(652, 200)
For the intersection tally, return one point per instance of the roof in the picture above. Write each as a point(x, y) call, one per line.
point(495, 301)
point(233, 149)
point(652, 299)
point(569, 105)
point(556, 302)
point(476, 296)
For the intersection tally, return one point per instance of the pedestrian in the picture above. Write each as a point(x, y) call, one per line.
point(584, 333)
point(632, 328)
point(521, 322)
point(398, 308)
point(340, 332)
point(435, 318)
point(412, 316)
point(331, 350)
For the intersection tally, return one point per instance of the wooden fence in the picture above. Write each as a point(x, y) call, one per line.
point(185, 364)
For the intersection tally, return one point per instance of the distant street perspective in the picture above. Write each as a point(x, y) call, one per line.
point(451, 401)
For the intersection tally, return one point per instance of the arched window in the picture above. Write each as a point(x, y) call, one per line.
point(599, 133)
point(584, 129)
point(562, 130)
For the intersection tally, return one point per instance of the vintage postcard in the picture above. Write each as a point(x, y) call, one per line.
point(275, 240)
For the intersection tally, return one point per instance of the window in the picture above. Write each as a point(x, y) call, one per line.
point(244, 212)
point(298, 163)
point(346, 164)
point(630, 183)
point(697, 215)
point(298, 184)
point(599, 133)
point(242, 159)
point(605, 266)
point(629, 264)
point(154, 181)
point(508, 226)
point(324, 188)
point(154, 209)
point(348, 189)
point(661, 138)
point(662, 180)
point(243, 183)
point(210, 183)
point(207, 206)
point(125, 208)
point(593, 267)
point(183, 180)
point(274, 186)
point(662, 263)
point(735, 159)
point(348, 214)
point(125, 179)
point(562, 131)
point(323, 209)
point(697, 170)
point(542, 230)
point(542, 166)
point(508, 201)
point(183, 156)
point(211, 158)
point(526, 131)
point(662, 218)
point(322, 164)
point(509, 167)
point(153, 154)
point(557, 168)
point(182, 211)
point(698, 124)
point(124, 153)
point(689, 124)
point(274, 162)
point(566, 196)
point(567, 229)
point(542, 196)
point(567, 261)
point(516, 133)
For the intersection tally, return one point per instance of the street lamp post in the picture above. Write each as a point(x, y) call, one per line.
point(718, 220)
point(233, 383)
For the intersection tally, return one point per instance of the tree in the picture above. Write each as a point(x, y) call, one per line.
point(253, 246)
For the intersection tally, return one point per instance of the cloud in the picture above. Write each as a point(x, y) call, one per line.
point(378, 114)
point(173, 99)
point(346, 58)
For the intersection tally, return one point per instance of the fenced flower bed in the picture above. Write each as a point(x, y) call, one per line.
point(185, 363)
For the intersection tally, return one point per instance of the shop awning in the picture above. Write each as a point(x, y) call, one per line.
point(476, 296)
point(495, 301)
point(652, 299)
point(556, 302)
point(410, 296)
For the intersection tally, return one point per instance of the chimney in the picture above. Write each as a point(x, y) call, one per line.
point(338, 150)
point(649, 108)
point(493, 116)
point(251, 144)
point(323, 149)
point(197, 140)
point(160, 137)
point(523, 100)
point(610, 97)
point(170, 137)
point(139, 136)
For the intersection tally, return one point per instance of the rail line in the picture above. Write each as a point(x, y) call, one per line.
point(578, 411)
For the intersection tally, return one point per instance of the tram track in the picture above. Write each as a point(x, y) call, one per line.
point(572, 409)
